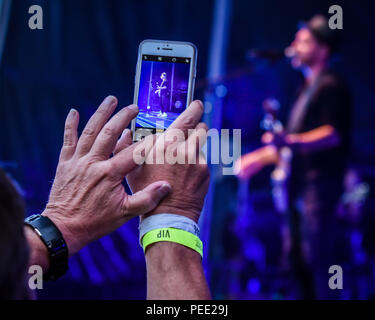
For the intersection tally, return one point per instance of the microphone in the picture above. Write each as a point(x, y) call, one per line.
point(271, 55)
point(289, 52)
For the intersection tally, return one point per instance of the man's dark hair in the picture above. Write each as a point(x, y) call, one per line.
point(319, 27)
point(13, 246)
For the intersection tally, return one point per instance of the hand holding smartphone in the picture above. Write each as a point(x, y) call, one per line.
point(164, 84)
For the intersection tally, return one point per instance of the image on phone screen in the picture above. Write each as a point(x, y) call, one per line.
point(163, 92)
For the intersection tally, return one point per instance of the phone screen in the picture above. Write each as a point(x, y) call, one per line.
point(163, 92)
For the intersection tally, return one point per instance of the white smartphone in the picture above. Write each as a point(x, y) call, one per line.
point(164, 84)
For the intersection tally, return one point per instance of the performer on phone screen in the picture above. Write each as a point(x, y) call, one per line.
point(162, 92)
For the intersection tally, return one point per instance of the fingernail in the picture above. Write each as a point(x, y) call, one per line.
point(133, 107)
point(199, 102)
point(72, 113)
point(110, 99)
point(164, 189)
point(124, 133)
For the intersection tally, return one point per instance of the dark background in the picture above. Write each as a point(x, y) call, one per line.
point(88, 50)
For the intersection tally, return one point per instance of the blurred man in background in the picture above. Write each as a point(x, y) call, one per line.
point(317, 132)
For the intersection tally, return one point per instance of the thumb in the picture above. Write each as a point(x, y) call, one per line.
point(147, 199)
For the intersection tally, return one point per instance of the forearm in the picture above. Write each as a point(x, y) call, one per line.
point(323, 137)
point(175, 272)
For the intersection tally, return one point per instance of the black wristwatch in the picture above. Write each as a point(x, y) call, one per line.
point(55, 243)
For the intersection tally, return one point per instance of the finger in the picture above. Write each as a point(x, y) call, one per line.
point(202, 159)
point(189, 118)
point(107, 138)
point(125, 141)
point(147, 199)
point(196, 141)
point(179, 129)
point(70, 135)
point(95, 125)
point(128, 158)
point(198, 136)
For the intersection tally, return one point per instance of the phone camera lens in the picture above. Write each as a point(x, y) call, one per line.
point(158, 48)
point(173, 59)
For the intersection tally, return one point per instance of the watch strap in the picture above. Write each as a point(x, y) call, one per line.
point(55, 243)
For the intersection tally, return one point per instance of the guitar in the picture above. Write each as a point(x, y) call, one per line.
point(251, 163)
point(159, 88)
point(280, 175)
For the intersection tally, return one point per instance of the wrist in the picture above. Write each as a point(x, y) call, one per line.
point(171, 260)
point(190, 213)
point(168, 252)
point(38, 251)
point(171, 267)
point(175, 235)
point(54, 242)
point(73, 242)
point(167, 220)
